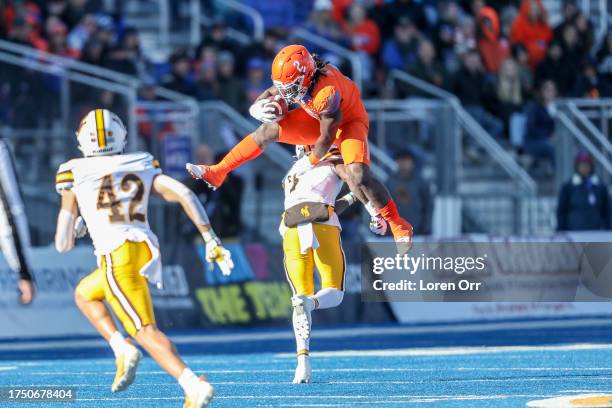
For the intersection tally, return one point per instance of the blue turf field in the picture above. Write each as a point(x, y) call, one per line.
point(501, 365)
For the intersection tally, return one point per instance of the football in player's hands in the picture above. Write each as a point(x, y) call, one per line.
point(268, 110)
point(280, 106)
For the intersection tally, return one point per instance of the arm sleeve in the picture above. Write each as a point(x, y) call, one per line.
point(14, 233)
point(64, 235)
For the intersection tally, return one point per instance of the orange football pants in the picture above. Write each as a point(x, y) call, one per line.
point(299, 128)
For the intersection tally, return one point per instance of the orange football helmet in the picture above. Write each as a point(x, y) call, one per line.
point(292, 71)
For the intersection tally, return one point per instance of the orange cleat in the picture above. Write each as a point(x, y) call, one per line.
point(210, 174)
point(402, 234)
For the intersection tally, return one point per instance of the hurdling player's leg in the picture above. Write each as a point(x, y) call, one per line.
point(249, 148)
point(361, 177)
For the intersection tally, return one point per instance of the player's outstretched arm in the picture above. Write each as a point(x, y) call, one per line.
point(174, 191)
point(65, 231)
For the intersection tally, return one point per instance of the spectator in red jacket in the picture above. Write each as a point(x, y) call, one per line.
point(24, 32)
point(493, 49)
point(362, 31)
point(57, 32)
point(531, 29)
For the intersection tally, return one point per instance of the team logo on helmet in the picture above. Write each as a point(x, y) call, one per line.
point(293, 69)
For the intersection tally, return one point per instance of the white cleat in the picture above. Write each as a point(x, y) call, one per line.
point(303, 371)
point(302, 306)
point(201, 395)
point(127, 364)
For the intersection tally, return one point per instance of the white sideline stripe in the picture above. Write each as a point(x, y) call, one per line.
point(390, 382)
point(451, 351)
point(337, 370)
point(340, 397)
point(317, 334)
point(564, 402)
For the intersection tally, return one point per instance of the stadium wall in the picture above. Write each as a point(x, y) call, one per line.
point(256, 294)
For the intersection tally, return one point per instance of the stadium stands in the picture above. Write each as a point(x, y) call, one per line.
point(220, 51)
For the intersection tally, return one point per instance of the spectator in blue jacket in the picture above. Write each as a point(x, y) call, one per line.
point(584, 203)
point(540, 125)
point(400, 51)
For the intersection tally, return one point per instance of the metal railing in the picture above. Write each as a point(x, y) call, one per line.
point(164, 22)
point(250, 12)
point(571, 139)
point(587, 123)
point(474, 130)
point(585, 142)
point(195, 26)
point(598, 11)
point(97, 77)
point(274, 152)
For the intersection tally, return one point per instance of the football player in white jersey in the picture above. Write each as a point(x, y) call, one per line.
point(111, 191)
point(311, 237)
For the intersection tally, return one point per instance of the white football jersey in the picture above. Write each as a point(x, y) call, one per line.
point(113, 195)
point(321, 184)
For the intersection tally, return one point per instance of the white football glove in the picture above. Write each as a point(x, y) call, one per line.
point(263, 112)
point(80, 228)
point(378, 225)
point(216, 253)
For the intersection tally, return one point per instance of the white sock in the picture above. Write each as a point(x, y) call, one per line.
point(300, 343)
point(302, 358)
point(188, 381)
point(117, 343)
point(328, 297)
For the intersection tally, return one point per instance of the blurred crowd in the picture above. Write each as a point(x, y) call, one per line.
point(502, 58)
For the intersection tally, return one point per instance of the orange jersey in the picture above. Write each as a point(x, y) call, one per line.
point(335, 91)
point(331, 93)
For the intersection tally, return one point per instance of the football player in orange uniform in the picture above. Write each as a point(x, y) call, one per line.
point(330, 112)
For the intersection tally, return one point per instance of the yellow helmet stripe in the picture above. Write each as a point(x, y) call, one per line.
point(100, 128)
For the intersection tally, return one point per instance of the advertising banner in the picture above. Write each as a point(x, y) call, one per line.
point(480, 277)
